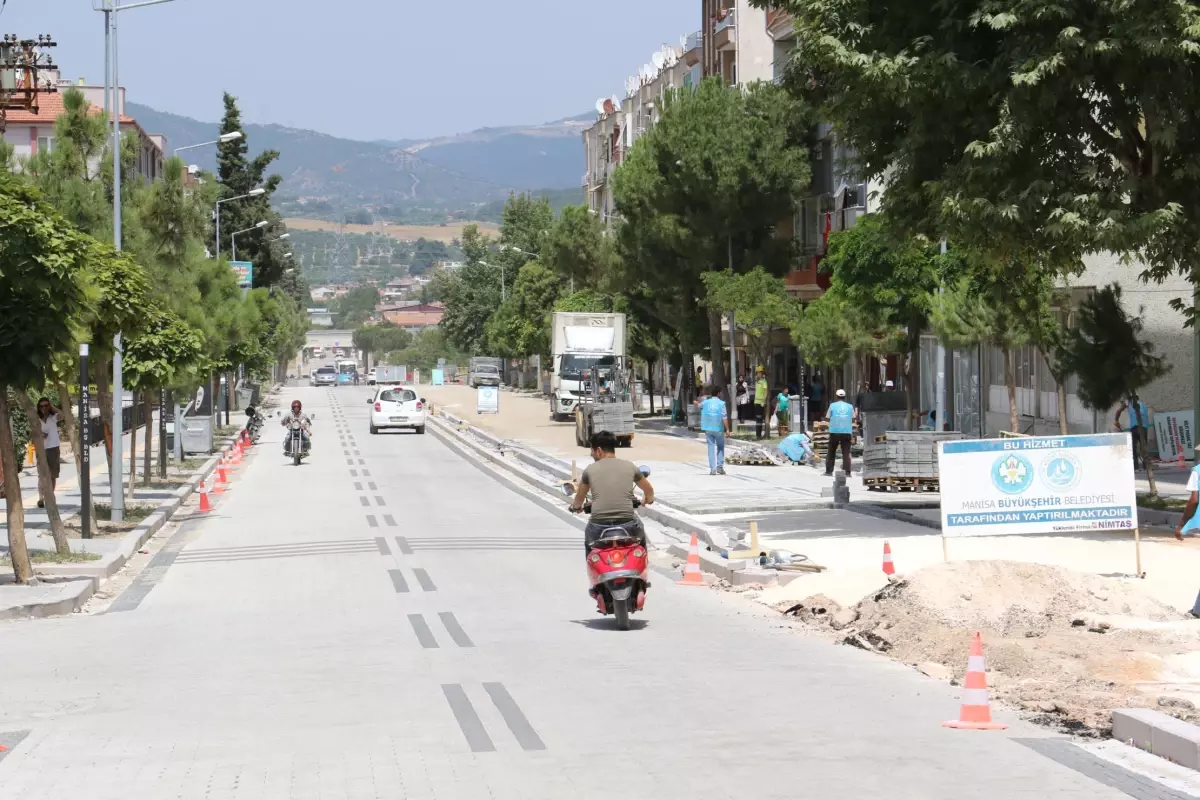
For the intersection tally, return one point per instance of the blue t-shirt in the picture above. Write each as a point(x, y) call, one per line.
point(1133, 419)
point(712, 415)
point(841, 417)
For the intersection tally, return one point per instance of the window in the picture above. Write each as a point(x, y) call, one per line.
point(398, 396)
point(45, 144)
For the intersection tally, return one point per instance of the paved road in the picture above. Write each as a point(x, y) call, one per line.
point(290, 646)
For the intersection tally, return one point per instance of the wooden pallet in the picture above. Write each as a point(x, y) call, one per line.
point(749, 462)
point(902, 484)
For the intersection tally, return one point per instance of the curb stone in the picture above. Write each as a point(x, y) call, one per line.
point(77, 592)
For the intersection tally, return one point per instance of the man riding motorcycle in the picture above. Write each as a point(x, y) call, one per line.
point(305, 427)
point(611, 481)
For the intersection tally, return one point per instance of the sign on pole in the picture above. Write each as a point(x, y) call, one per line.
point(244, 271)
point(439, 377)
point(487, 400)
point(1176, 434)
point(1038, 485)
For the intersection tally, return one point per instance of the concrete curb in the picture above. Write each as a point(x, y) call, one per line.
point(1155, 732)
point(80, 582)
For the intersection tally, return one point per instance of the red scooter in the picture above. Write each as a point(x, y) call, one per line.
point(618, 567)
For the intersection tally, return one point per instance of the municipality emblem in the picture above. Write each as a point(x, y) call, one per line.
point(1061, 472)
point(1012, 473)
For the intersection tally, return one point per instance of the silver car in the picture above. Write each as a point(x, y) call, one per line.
point(325, 376)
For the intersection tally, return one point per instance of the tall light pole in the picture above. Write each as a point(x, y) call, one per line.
point(217, 243)
point(111, 82)
point(225, 137)
point(233, 237)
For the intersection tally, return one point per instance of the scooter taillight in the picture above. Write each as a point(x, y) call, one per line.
point(616, 557)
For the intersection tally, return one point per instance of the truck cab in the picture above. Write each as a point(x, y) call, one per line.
point(568, 384)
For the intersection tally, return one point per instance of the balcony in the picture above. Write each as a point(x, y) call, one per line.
point(693, 46)
point(725, 33)
point(781, 25)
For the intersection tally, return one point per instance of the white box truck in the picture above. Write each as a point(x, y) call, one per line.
point(579, 342)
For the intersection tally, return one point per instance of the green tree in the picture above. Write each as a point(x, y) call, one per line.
point(760, 303)
point(356, 307)
point(704, 189)
point(832, 330)
point(577, 248)
point(471, 295)
point(1112, 359)
point(42, 291)
point(1072, 124)
point(521, 326)
point(997, 305)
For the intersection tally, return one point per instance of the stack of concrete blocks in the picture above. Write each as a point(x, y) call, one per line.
point(840, 491)
point(905, 454)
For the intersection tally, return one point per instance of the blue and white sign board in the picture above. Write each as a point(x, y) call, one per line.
point(488, 400)
point(1038, 485)
point(439, 377)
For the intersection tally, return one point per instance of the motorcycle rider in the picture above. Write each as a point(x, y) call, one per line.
point(305, 427)
point(611, 481)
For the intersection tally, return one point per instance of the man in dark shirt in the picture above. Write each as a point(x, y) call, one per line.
point(611, 481)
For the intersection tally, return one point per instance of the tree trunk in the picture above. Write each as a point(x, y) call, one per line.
point(714, 343)
point(650, 384)
point(166, 402)
point(1144, 443)
point(45, 481)
point(149, 437)
point(1010, 381)
point(104, 397)
point(64, 398)
point(912, 379)
point(12, 489)
point(1061, 389)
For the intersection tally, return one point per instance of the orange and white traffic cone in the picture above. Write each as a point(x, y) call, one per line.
point(976, 713)
point(889, 568)
point(691, 572)
point(205, 506)
point(237, 454)
point(221, 485)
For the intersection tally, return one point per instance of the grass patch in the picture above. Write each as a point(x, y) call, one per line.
point(190, 464)
point(51, 557)
point(133, 513)
point(227, 430)
point(1147, 500)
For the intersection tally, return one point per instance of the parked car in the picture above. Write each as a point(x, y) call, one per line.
point(325, 376)
point(397, 407)
point(371, 377)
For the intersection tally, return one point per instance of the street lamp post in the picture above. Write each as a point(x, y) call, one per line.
point(225, 137)
point(111, 83)
point(233, 237)
point(217, 243)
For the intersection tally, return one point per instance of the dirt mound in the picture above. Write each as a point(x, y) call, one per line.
point(1068, 646)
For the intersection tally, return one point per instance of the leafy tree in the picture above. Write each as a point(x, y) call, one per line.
point(356, 307)
point(521, 326)
point(1113, 361)
point(833, 330)
point(471, 295)
point(238, 176)
point(382, 338)
point(760, 303)
point(425, 350)
point(1072, 124)
point(1002, 306)
point(41, 293)
point(704, 188)
point(577, 248)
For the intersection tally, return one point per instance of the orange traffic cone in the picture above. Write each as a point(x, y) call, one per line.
point(691, 572)
point(975, 714)
point(221, 484)
point(888, 567)
point(237, 454)
point(205, 506)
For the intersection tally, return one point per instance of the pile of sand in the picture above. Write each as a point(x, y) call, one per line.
point(1067, 646)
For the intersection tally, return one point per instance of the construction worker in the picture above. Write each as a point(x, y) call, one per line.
point(760, 400)
point(841, 431)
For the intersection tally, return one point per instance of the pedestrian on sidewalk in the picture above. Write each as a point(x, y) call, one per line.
point(714, 421)
point(745, 408)
point(1133, 405)
point(760, 400)
point(1189, 522)
point(841, 430)
point(816, 396)
point(49, 415)
point(782, 406)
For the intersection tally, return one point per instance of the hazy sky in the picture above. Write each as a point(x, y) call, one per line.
point(366, 69)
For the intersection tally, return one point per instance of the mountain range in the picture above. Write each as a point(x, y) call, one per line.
point(407, 180)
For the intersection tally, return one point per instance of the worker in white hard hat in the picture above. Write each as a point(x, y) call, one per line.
point(888, 386)
point(841, 431)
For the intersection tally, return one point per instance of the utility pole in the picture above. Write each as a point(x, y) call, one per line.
point(939, 416)
point(733, 409)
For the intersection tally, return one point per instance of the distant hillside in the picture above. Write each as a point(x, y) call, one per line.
point(409, 181)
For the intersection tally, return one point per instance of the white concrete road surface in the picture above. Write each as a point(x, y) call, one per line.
point(291, 646)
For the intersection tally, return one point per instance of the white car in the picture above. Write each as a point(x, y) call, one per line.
point(371, 377)
point(397, 407)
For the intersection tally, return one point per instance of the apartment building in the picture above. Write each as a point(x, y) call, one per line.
point(29, 132)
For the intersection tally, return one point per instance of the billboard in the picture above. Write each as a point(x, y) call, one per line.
point(1039, 485)
point(244, 270)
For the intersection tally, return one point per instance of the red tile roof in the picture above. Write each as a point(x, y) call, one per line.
point(50, 107)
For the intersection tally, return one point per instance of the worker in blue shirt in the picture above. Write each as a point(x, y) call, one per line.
point(714, 421)
point(841, 431)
